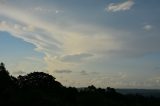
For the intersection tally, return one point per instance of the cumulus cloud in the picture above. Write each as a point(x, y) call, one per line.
point(115, 7)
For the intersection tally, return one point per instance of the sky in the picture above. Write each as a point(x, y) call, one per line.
point(83, 42)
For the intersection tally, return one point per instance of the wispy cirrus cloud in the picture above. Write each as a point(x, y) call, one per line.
point(76, 42)
point(115, 7)
point(45, 10)
point(75, 57)
point(69, 43)
point(59, 46)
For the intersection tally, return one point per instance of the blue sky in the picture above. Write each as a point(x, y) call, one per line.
point(102, 42)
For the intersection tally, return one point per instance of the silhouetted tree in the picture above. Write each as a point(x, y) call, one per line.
point(3, 69)
point(111, 90)
point(91, 88)
point(5, 79)
point(38, 80)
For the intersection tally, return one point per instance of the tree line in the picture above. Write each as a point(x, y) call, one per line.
point(39, 88)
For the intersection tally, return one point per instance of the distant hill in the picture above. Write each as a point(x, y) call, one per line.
point(144, 92)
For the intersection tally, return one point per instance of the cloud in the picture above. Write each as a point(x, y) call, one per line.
point(3, 1)
point(34, 58)
point(148, 27)
point(71, 45)
point(122, 80)
point(34, 35)
point(68, 46)
point(157, 68)
point(63, 71)
point(58, 11)
point(83, 72)
point(45, 10)
point(115, 7)
point(75, 43)
point(75, 57)
point(19, 73)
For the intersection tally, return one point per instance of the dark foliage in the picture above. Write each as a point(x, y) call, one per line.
point(39, 88)
point(38, 80)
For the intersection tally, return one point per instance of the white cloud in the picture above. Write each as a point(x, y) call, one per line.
point(57, 11)
point(75, 57)
point(148, 27)
point(114, 7)
point(61, 45)
point(71, 43)
point(45, 10)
